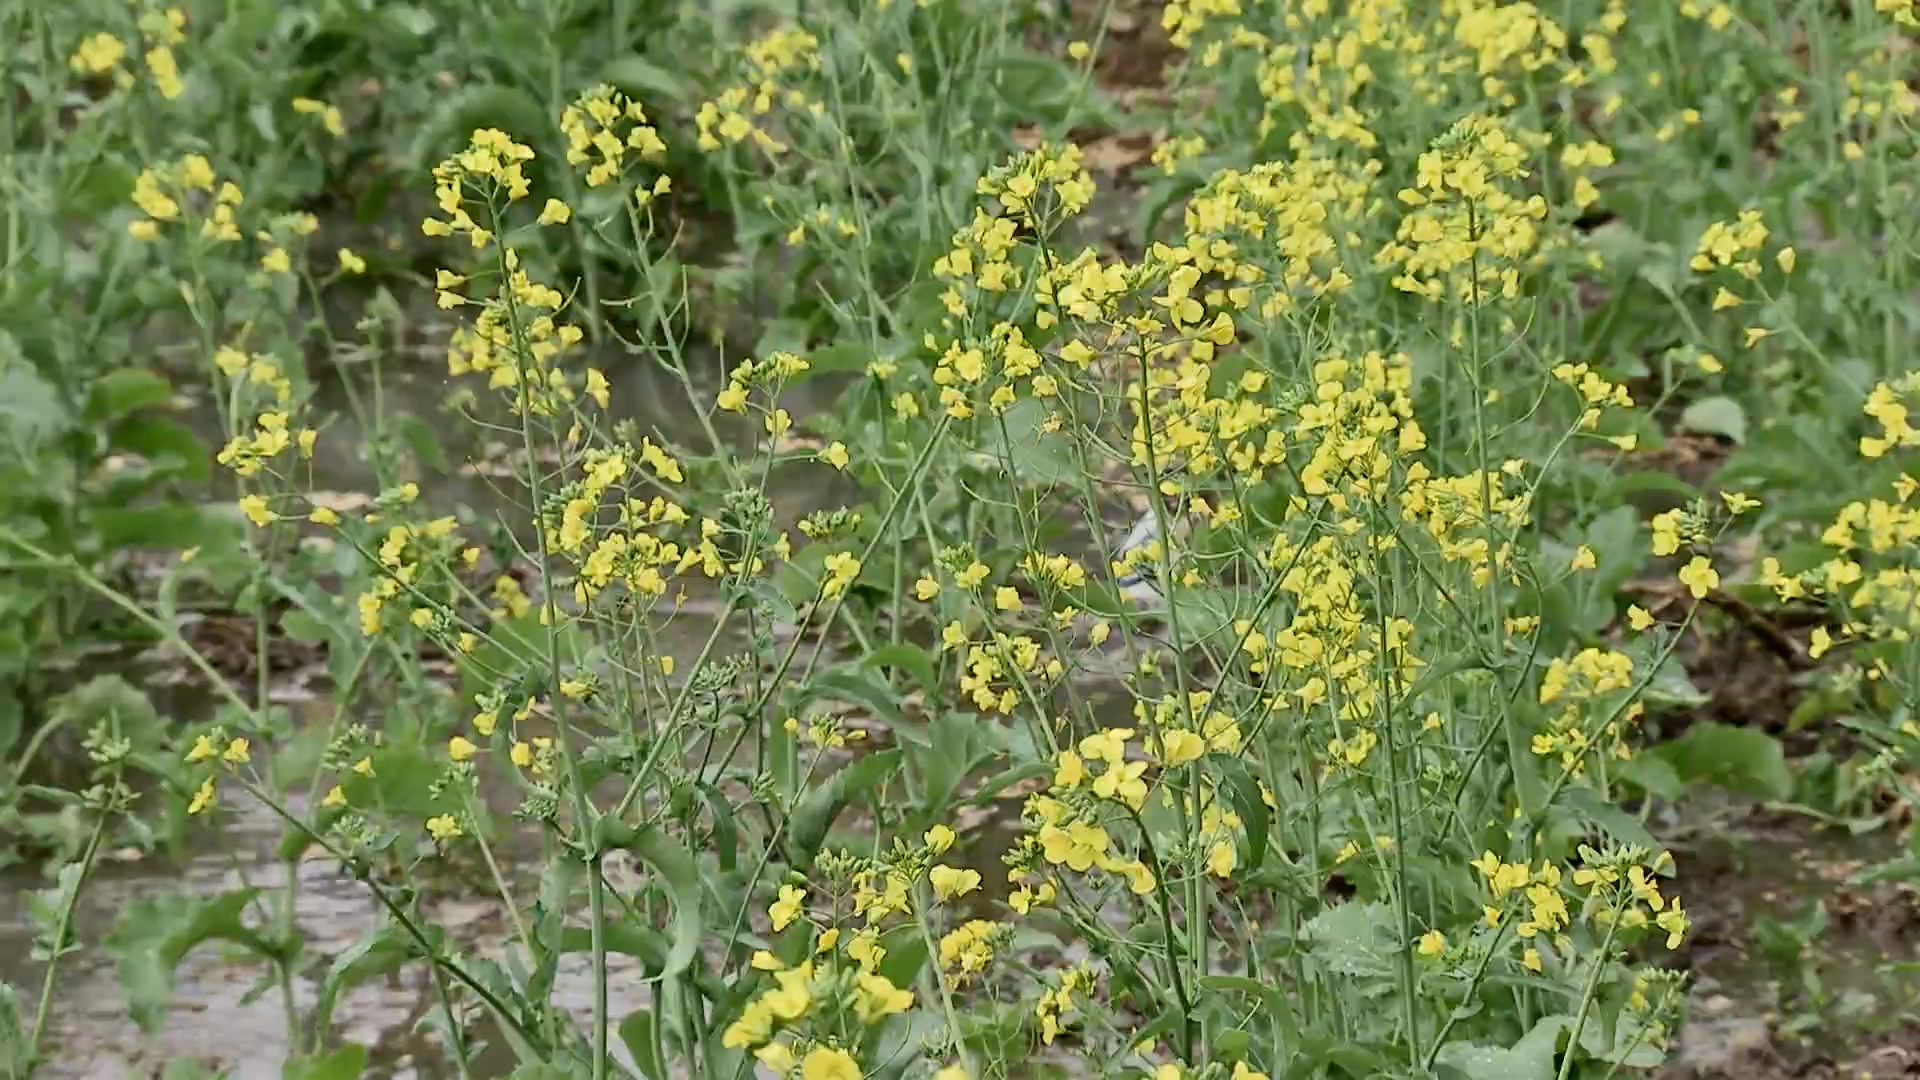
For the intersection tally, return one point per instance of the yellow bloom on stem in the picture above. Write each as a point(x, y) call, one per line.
point(787, 907)
point(949, 882)
point(257, 511)
point(202, 798)
point(1700, 577)
point(460, 748)
point(829, 1063)
point(444, 827)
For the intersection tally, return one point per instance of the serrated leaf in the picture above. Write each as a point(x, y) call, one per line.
point(154, 934)
point(1353, 938)
point(1471, 1061)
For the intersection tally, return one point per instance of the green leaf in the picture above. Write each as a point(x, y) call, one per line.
point(1617, 823)
point(643, 80)
point(676, 873)
point(126, 390)
point(1244, 791)
point(1471, 1061)
point(637, 1032)
point(1015, 440)
point(15, 1054)
point(807, 828)
point(167, 527)
point(911, 659)
point(165, 443)
point(154, 934)
point(477, 106)
point(345, 1063)
point(1740, 760)
point(30, 410)
point(1716, 415)
point(381, 951)
point(849, 683)
point(1354, 938)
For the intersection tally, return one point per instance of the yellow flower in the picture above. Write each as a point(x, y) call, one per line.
point(835, 455)
point(1638, 617)
point(926, 589)
point(203, 749)
point(1007, 598)
point(1584, 559)
point(939, 839)
point(829, 1063)
point(351, 263)
point(598, 388)
point(521, 755)
point(1180, 747)
point(787, 908)
point(1531, 958)
point(1819, 643)
point(336, 798)
point(323, 516)
point(277, 261)
point(1785, 258)
point(364, 766)
point(202, 798)
point(555, 213)
point(236, 753)
point(949, 882)
point(1699, 577)
point(1756, 334)
point(459, 748)
point(444, 827)
point(1433, 943)
point(1725, 299)
point(257, 511)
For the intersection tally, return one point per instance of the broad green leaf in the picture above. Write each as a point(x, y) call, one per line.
point(1016, 440)
point(644, 81)
point(1471, 1061)
point(15, 1054)
point(380, 951)
point(155, 933)
point(168, 527)
point(30, 409)
point(1716, 415)
point(637, 1032)
point(345, 1063)
point(807, 828)
point(678, 877)
point(126, 390)
point(911, 659)
point(1244, 791)
point(164, 442)
point(1354, 938)
point(1741, 760)
point(1617, 823)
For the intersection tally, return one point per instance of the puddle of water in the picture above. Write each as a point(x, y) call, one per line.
point(222, 1014)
